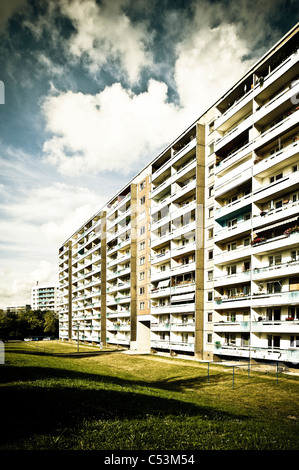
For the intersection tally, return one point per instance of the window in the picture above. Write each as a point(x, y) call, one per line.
point(232, 222)
point(141, 246)
point(142, 230)
point(273, 287)
point(209, 338)
point(294, 342)
point(142, 200)
point(211, 126)
point(210, 233)
point(142, 185)
point(211, 191)
point(231, 270)
point(141, 290)
point(142, 260)
point(211, 211)
point(210, 317)
point(211, 170)
point(210, 254)
point(276, 177)
point(246, 241)
point(273, 314)
point(211, 148)
point(232, 246)
point(294, 312)
point(273, 341)
point(274, 260)
point(232, 199)
point(142, 275)
point(210, 275)
point(295, 168)
point(210, 296)
point(278, 204)
point(141, 305)
point(246, 266)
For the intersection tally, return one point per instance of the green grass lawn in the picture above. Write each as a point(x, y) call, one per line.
point(55, 398)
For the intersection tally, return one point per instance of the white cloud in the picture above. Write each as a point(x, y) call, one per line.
point(111, 130)
point(208, 63)
point(16, 284)
point(104, 34)
point(32, 228)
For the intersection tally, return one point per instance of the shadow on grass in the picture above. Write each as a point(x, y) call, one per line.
point(63, 398)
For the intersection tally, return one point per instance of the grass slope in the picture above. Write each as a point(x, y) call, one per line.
point(56, 398)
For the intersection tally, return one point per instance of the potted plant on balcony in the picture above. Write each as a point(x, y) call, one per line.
point(291, 230)
point(258, 240)
point(289, 319)
point(217, 344)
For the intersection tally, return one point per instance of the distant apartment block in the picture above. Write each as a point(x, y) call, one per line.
point(198, 255)
point(44, 297)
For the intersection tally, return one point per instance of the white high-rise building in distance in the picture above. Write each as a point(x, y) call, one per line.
point(44, 297)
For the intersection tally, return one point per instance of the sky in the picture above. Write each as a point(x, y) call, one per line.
point(93, 91)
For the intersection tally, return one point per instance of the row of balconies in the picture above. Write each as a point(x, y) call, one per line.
point(257, 352)
point(254, 144)
point(257, 90)
point(257, 299)
point(189, 147)
point(263, 326)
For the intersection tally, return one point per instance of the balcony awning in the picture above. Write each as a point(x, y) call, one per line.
point(164, 283)
point(182, 298)
point(278, 224)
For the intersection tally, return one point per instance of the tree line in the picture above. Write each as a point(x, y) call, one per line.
point(28, 323)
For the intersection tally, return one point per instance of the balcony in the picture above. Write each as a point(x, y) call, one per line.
point(173, 345)
point(276, 326)
point(281, 270)
point(228, 232)
point(264, 299)
point(183, 326)
point(270, 354)
point(264, 165)
point(235, 178)
point(265, 243)
point(183, 190)
point(232, 279)
point(276, 130)
point(183, 268)
point(160, 326)
point(237, 301)
point(287, 210)
point(226, 256)
point(232, 327)
point(240, 107)
point(233, 206)
point(233, 133)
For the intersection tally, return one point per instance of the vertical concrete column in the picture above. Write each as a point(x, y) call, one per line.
point(70, 293)
point(200, 223)
point(103, 277)
point(133, 262)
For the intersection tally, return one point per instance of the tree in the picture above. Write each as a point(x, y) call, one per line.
point(51, 323)
point(19, 325)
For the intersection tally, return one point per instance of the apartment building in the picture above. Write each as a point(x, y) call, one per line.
point(44, 297)
point(198, 255)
